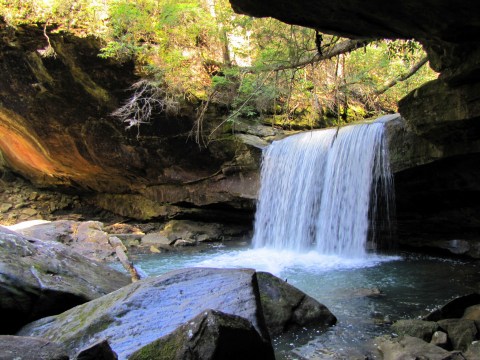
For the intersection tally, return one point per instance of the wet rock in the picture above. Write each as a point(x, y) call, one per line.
point(154, 250)
point(147, 310)
point(416, 328)
point(285, 307)
point(98, 351)
point(40, 278)
point(455, 308)
point(212, 335)
point(30, 348)
point(408, 347)
point(461, 332)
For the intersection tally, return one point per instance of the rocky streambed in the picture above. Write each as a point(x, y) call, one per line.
point(198, 313)
point(60, 296)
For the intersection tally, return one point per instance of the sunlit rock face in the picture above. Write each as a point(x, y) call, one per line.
point(56, 130)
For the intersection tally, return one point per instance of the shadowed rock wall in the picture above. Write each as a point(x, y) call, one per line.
point(56, 131)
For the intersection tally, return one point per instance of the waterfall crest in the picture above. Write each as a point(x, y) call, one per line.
point(319, 190)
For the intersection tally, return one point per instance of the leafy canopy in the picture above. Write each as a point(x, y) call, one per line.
point(199, 50)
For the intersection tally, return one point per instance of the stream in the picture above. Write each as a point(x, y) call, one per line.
point(410, 286)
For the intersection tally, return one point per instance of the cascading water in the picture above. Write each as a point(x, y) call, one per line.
point(319, 190)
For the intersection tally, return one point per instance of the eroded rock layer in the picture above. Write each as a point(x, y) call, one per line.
point(56, 130)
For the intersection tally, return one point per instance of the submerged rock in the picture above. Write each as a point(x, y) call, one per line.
point(211, 335)
point(30, 348)
point(40, 278)
point(285, 307)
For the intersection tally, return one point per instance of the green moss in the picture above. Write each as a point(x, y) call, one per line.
point(163, 349)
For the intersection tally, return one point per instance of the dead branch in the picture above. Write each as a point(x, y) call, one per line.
point(338, 49)
point(147, 100)
point(417, 66)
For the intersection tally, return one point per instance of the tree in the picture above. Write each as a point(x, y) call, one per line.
point(199, 51)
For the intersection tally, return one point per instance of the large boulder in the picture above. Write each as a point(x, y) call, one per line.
point(30, 348)
point(455, 308)
point(212, 335)
point(40, 278)
point(285, 307)
point(149, 310)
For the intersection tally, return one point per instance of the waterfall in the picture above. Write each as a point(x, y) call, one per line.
point(320, 190)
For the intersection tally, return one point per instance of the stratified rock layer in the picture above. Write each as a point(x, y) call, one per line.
point(56, 130)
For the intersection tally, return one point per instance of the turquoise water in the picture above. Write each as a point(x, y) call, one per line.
point(410, 285)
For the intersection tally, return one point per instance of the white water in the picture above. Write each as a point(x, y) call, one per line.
point(319, 190)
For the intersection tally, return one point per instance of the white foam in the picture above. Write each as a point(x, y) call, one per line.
point(280, 261)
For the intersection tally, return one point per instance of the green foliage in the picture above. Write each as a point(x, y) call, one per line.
point(201, 51)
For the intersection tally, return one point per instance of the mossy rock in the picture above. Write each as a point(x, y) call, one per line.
point(212, 335)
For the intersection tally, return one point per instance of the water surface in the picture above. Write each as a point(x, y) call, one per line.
point(410, 285)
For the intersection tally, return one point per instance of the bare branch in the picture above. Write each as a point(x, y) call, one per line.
point(147, 100)
point(417, 66)
point(338, 49)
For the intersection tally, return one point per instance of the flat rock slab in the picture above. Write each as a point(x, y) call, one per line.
point(40, 278)
point(30, 348)
point(147, 310)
